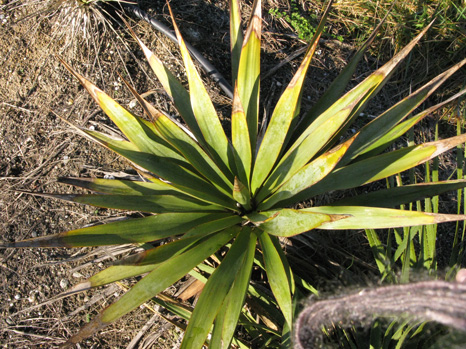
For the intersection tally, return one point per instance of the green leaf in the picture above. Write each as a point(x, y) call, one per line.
point(289, 222)
point(185, 145)
point(279, 274)
point(379, 127)
point(337, 88)
point(174, 89)
point(236, 37)
point(355, 100)
point(138, 131)
point(179, 176)
point(240, 140)
point(216, 289)
point(146, 203)
point(136, 230)
point(359, 217)
point(120, 187)
point(379, 167)
point(248, 80)
point(304, 178)
point(227, 318)
point(283, 116)
point(393, 197)
point(155, 282)
point(390, 136)
point(241, 194)
point(204, 111)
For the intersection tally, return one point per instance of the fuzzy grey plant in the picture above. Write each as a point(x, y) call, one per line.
point(439, 301)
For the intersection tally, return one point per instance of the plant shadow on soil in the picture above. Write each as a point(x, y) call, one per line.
point(36, 147)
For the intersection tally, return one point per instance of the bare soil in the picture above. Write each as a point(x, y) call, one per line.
point(36, 147)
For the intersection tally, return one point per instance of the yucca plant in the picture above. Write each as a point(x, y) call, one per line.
point(238, 194)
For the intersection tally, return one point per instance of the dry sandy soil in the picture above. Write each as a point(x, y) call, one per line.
point(36, 147)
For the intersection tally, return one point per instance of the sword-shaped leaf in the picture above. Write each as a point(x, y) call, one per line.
point(284, 116)
point(248, 79)
point(174, 89)
point(337, 88)
point(120, 187)
point(378, 128)
point(386, 140)
point(393, 197)
point(137, 230)
point(289, 222)
point(279, 274)
point(204, 111)
point(163, 276)
point(240, 140)
point(360, 217)
point(227, 318)
point(216, 290)
point(147, 261)
point(357, 98)
point(379, 167)
point(236, 37)
point(304, 178)
point(241, 194)
point(138, 131)
point(176, 173)
point(184, 144)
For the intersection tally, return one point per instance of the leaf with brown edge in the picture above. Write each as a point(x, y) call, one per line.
point(137, 230)
point(283, 117)
point(155, 282)
point(217, 142)
point(248, 79)
point(361, 217)
point(378, 167)
point(185, 145)
point(289, 222)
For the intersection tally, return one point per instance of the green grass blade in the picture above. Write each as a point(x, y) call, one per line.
point(236, 38)
point(136, 230)
point(155, 282)
point(396, 196)
point(227, 319)
point(216, 290)
point(359, 217)
point(304, 178)
point(204, 111)
point(289, 222)
point(279, 274)
point(248, 79)
point(284, 116)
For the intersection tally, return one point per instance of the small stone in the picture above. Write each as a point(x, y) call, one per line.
point(64, 284)
point(17, 297)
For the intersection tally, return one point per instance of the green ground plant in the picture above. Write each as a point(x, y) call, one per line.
point(229, 200)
